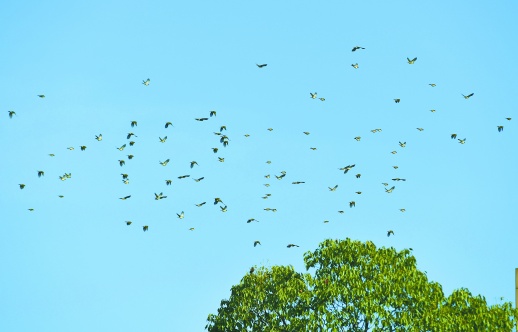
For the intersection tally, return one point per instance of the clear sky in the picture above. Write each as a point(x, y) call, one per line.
point(73, 264)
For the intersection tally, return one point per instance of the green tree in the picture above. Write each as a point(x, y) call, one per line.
point(354, 287)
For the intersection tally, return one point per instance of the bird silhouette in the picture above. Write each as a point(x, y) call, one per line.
point(468, 96)
point(261, 66)
point(411, 62)
point(357, 48)
point(146, 82)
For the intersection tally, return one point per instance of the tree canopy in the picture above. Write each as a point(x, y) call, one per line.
point(354, 287)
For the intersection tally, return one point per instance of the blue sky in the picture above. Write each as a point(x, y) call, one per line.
point(73, 265)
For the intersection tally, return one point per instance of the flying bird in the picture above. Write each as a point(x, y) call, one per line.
point(453, 136)
point(201, 204)
point(159, 196)
point(347, 168)
point(352, 203)
point(313, 95)
point(145, 228)
point(411, 62)
point(11, 113)
point(397, 100)
point(250, 220)
point(168, 182)
point(306, 132)
point(201, 119)
point(433, 85)
point(199, 179)
point(121, 162)
point(395, 167)
point(181, 215)
point(164, 162)
point(83, 147)
point(357, 48)
point(462, 141)
point(256, 243)
point(215, 150)
point(291, 245)
point(218, 200)
point(183, 176)
point(358, 175)
point(333, 189)
point(41, 96)
point(22, 185)
point(167, 124)
point(130, 156)
point(270, 129)
point(261, 66)
point(162, 140)
point(128, 222)
point(420, 129)
point(223, 208)
point(500, 128)
point(398, 179)
point(391, 232)
point(355, 65)
point(124, 175)
point(99, 138)
point(468, 96)
point(402, 144)
point(212, 113)
point(129, 135)
point(133, 123)
point(312, 148)
point(131, 143)
point(298, 182)
point(125, 197)
point(221, 160)
point(41, 173)
point(390, 189)
point(358, 138)
point(146, 82)
point(508, 119)
point(322, 99)
point(71, 148)
point(121, 148)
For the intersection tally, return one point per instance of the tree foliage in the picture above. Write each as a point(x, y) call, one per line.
point(354, 287)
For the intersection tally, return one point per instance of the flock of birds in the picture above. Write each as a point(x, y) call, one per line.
point(225, 141)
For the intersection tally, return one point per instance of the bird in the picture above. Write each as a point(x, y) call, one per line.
point(402, 144)
point(322, 99)
point(358, 138)
point(508, 119)
point(41, 96)
point(191, 229)
point(397, 100)
point(357, 48)
point(333, 189)
point(355, 65)
point(270, 129)
point(225, 143)
point(256, 243)
point(420, 129)
point(223, 208)
point(261, 66)
point(250, 220)
point(402, 210)
point(11, 113)
point(131, 143)
point(411, 62)
point(266, 184)
point(181, 215)
point(222, 128)
point(167, 124)
point(124, 198)
point(433, 85)
point(306, 132)
point(124, 175)
point(121, 162)
point(326, 221)
point(215, 150)
point(212, 113)
point(22, 185)
point(199, 179)
point(125, 181)
point(358, 192)
point(83, 147)
point(313, 95)
point(146, 82)
point(252, 270)
point(291, 245)
point(183, 176)
point(121, 148)
point(221, 160)
point(462, 141)
point(468, 96)
point(433, 111)
point(352, 203)
point(218, 200)
point(145, 228)
point(391, 232)
point(395, 167)
point(200, 204)
point(246, 135)
point(159, 196)
point(133, 123)
point(347, 168)
point(298, 182)
point(384, 183)
point(390, 189)
point(341, 211)
point(52, 155)
point(162, 140)
point(394, 152)
point(164, 163)
point(128, 222)
point(30, 209)
point(99, 137)
point(168, 182)
point(130, 156)
point(398, 179)
point(41, 173)
point(71, 148)
point(201, 119)
point(453, 136)
point(358, 175)
point(268, 162)
point(129, 135)
point(500, 128)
